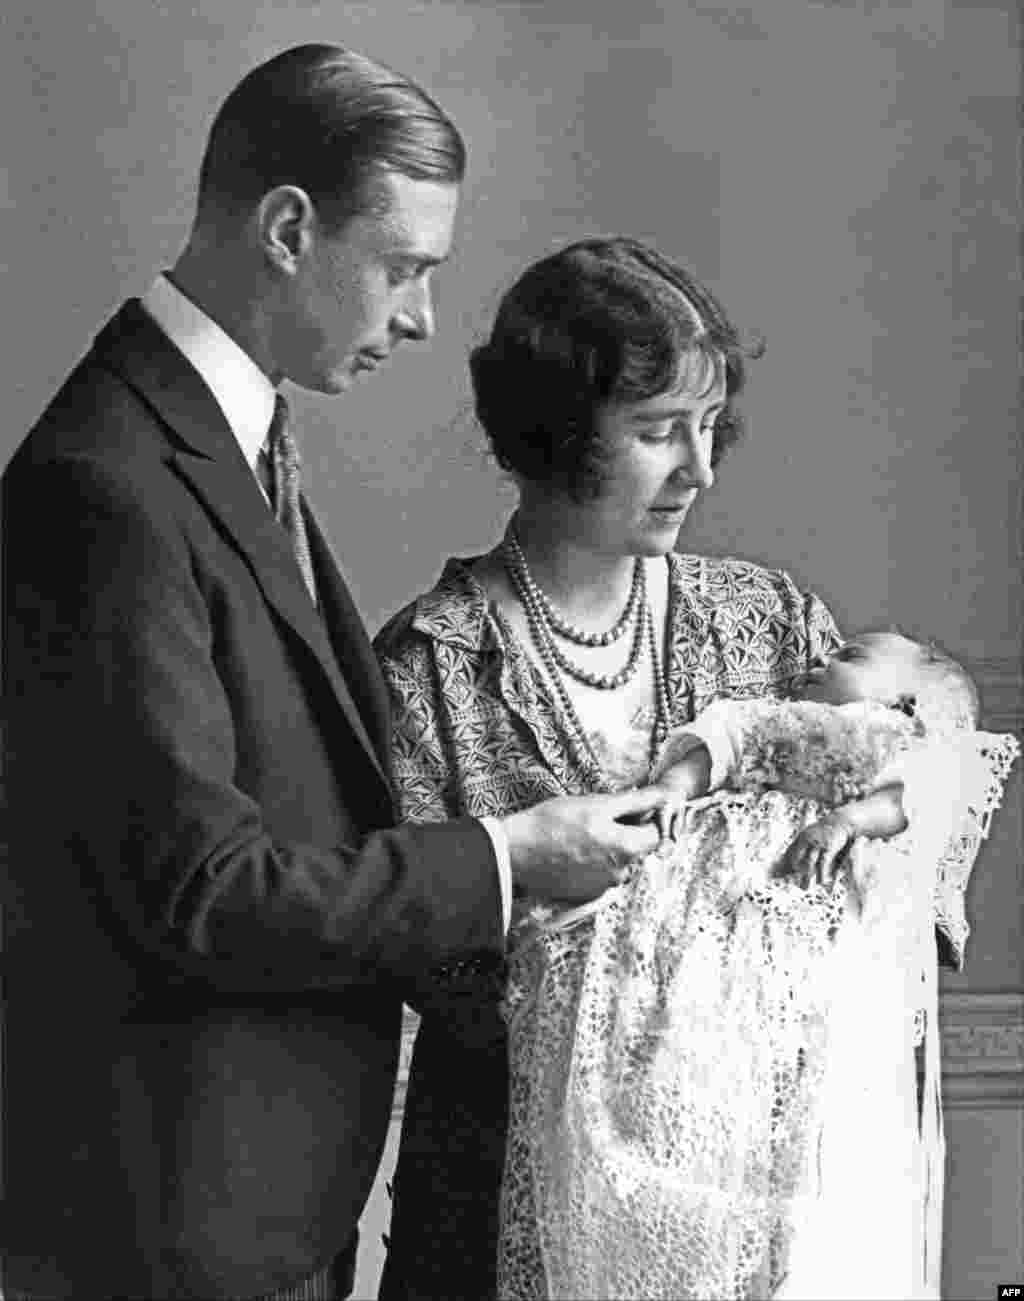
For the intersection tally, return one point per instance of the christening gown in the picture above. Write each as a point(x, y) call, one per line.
point(714, 1090)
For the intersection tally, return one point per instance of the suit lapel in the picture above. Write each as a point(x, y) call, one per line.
point(349, 641)
point(211, 462)
point(238, 505)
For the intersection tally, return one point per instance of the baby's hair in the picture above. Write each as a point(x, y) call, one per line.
point(950, 695)
point(952, 680)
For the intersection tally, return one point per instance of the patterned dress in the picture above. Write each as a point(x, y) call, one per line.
point(478, 732)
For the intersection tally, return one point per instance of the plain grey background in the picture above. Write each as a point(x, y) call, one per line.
point(844, 173)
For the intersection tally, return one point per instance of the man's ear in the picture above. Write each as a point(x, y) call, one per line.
point(285, 222)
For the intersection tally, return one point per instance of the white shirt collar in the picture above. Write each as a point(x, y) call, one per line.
point(244, 393)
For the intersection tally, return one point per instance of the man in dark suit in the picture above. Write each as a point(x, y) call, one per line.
point(213, 920)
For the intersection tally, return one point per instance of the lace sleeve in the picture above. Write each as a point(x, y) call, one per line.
point(833, 753)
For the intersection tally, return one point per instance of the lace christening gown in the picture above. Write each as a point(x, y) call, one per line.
point(713, 1077)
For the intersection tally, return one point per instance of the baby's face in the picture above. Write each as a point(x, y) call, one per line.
point(880, 666)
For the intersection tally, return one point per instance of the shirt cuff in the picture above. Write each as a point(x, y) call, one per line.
point(499, 839)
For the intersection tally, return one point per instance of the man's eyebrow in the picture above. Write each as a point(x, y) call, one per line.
point(419, 259)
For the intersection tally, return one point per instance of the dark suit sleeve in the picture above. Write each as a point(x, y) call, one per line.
point(117, 710)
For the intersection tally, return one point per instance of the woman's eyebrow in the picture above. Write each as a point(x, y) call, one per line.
point(672, 413)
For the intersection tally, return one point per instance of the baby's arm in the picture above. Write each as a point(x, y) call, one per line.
point(689, 776)
point(815, 852)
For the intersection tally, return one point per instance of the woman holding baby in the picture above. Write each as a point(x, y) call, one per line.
point(560, 663)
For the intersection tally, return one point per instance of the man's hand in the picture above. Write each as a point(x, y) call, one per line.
point(816, 852)
point(682, 780)
point(668, 814)
point(569, 850)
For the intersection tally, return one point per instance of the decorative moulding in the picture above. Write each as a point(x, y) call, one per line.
point(982, 1048)
point(1000, 683)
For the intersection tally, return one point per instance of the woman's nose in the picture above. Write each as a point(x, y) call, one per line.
point(701, 472)
point(697, 465)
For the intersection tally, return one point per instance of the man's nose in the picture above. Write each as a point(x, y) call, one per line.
point(415, 320)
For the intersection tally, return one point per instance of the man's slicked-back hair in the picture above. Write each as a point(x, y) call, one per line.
point(331, 122)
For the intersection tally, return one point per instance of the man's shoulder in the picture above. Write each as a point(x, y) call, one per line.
point(95, 416)
point(452, 613)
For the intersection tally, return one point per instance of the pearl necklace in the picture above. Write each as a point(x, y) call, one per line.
point(540, 625)
point(562, 625)
point(554, 661)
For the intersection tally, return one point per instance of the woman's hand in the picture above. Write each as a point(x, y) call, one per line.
point(816, 852)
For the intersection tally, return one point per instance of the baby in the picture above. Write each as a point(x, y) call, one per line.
point(849, 756)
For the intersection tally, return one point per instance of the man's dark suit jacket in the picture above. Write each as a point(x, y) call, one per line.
point(212, 922)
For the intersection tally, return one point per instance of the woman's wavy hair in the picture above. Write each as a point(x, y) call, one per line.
point(602, 320)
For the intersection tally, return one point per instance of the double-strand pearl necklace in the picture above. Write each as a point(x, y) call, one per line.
point(561, 625)
point(537, 607)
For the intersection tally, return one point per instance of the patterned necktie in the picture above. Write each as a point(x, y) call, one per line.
point(281, 461)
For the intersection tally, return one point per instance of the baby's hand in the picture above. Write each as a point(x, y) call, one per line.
point(816, 852)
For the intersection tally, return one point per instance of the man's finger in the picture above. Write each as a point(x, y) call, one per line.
point(643, 800)
point(640, 839)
